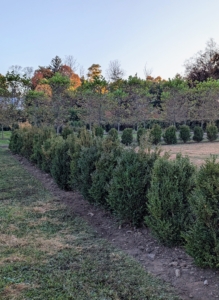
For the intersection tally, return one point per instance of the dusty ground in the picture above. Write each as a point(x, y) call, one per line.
point(197, 152)
point(172, 265)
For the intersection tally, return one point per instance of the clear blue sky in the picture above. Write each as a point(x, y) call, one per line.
point(163, 33)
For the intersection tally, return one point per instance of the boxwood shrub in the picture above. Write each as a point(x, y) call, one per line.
point(202, 240)
point(168, 205)
point(129, 185)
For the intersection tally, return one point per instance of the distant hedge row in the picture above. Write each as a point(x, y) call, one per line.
point(179, 203)
point(169, 135)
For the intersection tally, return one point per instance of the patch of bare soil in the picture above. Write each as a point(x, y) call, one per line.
point(196, 152)
point(172, 265)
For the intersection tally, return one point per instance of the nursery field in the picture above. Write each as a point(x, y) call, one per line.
point(197, 152)
point(47, 253)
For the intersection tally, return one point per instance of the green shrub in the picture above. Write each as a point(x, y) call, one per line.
point(127, 136)
point(140, 132)
point(16, 142)
point(111, 151)
point(202, 240)
point(40, 136)
point(212, 132)
point(198, 134)
point(61, 159)
point(84, 140)
point(170, 135)
point(86, 165)
point(184, 133)
point(48, 152)
point(28, 135)
point(66, 131)
point(155, 134)
point(130, 182)
point(114, 134)
point(99, 131)
point(168, 206)
point(15, 126)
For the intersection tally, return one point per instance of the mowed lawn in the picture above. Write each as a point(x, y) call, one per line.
point(197, 152)
point(46, 253)
point(6, 137)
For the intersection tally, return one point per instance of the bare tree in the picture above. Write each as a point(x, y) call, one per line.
point(16, 69)
point(81, 72)
point(147, 71)
point(28, 71)
point(71, 62)
point(204, 64)
point(114, 71)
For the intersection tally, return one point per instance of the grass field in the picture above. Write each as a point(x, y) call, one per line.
point(197, 152)
point(46, 253)
point(5, 140)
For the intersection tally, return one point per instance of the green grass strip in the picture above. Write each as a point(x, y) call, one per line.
point(46, 253)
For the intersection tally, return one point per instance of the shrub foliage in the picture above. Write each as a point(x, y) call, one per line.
point(101, 177)
point(202, 240)
point(155, 134)
point(168, 206)
point(198, 134)
point(184, 133)
point(212, 132)
point(127, 136)
point(140, 132)
point(130, 182)
point(170, 135)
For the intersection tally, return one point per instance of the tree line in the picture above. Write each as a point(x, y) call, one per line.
point(56, 94)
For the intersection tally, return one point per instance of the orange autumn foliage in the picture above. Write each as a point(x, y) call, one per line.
point(44, 88)
point(75, 81)
point(66, 71)
point(36, 78)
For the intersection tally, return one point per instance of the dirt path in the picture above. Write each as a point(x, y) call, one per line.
point(170, 264)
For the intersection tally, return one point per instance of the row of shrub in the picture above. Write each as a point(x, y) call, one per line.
point(179, 203)
point(169, 136)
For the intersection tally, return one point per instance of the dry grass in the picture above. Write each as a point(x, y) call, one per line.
point(12, 259)
point(13, 291)
point(50, 246)
point(196, 152)
point(12, 241)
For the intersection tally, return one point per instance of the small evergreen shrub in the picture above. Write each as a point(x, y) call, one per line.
point(86, 165)
point(84, 140)
point(111, 151)
point(202, 240)
point(198, 134)
point(66, 131)
point(60, 164)
point(99, 131)
point(48, 151)
point(16, 142)
point(15, 126)
point(212, 132)
point(113, 133)
point(155, 134)
point(40, 136)
point(140, 132)
point(127, 136)
point(170, 135)
point(184, 133)
point(28, 135)
point(168, 206)
point(130, 182)
point(57, 153)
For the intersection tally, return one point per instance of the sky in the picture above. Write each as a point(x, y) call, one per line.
point(159, 33)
